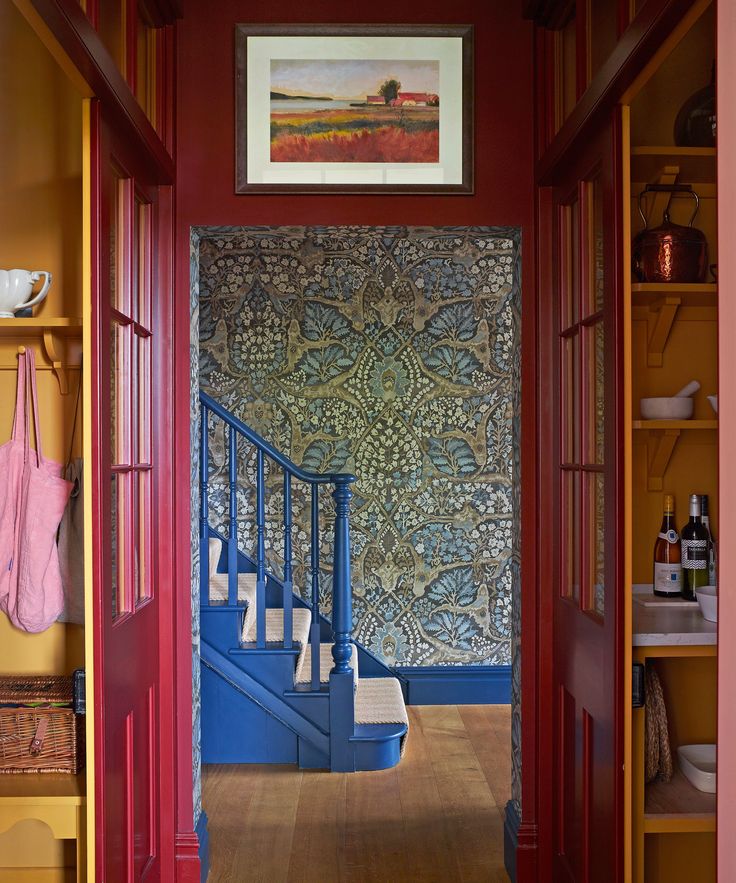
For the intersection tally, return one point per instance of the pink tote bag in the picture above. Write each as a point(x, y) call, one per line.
point(33, 496)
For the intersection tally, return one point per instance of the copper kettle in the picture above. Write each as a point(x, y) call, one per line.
point(670, 252)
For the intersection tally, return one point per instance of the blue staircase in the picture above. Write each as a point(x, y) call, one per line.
point(280, 682)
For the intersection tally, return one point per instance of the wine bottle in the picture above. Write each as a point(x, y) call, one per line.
point(704, 514)
point(667, 554)
point(694, 552)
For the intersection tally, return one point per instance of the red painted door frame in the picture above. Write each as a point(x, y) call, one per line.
point(162, 640)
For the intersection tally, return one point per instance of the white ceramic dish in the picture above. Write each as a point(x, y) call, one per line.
point(708, 600)
point(698, 765)
point(670, 408)
point(713, 402)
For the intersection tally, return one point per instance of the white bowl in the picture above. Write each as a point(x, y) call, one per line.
point(713, 402)
point(698, 765)
point(671, 408)
point(708, 600)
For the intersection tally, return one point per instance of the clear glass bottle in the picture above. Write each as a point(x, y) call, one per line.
point(667, 554)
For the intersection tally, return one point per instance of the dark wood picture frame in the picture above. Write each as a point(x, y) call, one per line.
point(243, 31)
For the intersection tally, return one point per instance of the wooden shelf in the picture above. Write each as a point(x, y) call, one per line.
point(678, 807)
point(49, 332)
point(661, 443)
point(42, 789)
point(690, 294)
point(37, 327)
point(695, 164)
point(675, 424)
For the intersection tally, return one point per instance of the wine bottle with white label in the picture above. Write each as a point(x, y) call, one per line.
point(667, 554)
point(695, 539)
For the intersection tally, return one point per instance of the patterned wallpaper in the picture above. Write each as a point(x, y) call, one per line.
point(389, 352)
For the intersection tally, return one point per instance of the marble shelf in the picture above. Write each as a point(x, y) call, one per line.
point(672, 626)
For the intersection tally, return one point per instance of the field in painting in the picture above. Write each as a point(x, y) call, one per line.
point(362, 134)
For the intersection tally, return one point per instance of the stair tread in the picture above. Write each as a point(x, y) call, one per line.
point(326, 663)
point(246, 587)
point(275, 625)
point(380, 701)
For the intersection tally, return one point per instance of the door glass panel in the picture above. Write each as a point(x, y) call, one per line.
point(570, 524)
point(145, 79)
point(120, 281)
point(119, 393)
point(144, 399)
point(602, 31)
point(570, 398)
point(594, 419)
point(567, 69)
point(570, 265)
point(119, 500)
point(145, 248)
point(144, 528)
point(596, 548)
point(111, 28)
point(593, 300)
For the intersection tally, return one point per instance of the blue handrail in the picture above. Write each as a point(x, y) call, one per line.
point(271, 452)
point(341, 582)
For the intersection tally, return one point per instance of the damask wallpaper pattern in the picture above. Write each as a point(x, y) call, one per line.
point(390, 352)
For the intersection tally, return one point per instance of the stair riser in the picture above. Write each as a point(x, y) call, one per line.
point(250, 734)
point(274, 670)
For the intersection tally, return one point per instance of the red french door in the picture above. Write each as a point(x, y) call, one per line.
point(129, 400)
point(585, 478)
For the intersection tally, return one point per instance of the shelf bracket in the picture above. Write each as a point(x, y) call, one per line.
point(663, 314)
point(660, 447)
point(51, 347)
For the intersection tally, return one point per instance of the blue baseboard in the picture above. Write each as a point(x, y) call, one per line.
point(204, 846)
point(511, 839)
point(455, 684)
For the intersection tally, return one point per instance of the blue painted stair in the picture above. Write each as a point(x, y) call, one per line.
point(281, 683)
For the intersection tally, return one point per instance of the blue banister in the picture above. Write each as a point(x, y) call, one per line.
point(288, 588)
point(262, 445)
point(260, 553)
point(314, 628)
point(341, 589)
point(232, 542)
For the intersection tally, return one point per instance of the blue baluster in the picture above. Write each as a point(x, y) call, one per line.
point(232, 541)
point(342, 590)
point(342, 677)
point(260, 554)
point(204, 538)
point(314, 629)
point(288, 582)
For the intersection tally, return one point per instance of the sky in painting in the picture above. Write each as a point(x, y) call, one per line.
point(351, 78)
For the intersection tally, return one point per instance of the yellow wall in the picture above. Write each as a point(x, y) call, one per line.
point(40, 229)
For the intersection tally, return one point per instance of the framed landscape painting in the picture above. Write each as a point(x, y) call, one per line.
point(354, 108)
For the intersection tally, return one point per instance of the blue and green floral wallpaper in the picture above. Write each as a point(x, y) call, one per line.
point(390, 352)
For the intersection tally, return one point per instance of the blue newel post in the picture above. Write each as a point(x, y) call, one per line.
point(342, 677)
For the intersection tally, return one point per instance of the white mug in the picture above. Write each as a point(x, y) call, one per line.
point(16, 290)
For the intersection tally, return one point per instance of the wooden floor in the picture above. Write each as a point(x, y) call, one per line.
point(438, 816)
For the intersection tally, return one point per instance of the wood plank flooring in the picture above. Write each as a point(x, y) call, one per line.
point(436, 818)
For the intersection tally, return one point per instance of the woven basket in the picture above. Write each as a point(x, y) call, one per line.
point(39, 739)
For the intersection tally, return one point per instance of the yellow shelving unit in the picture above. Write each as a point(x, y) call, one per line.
point(671, 339)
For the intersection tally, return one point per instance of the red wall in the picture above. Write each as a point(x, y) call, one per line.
point(503, 119)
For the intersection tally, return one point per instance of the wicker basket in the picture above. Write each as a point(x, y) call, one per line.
point(43, 739)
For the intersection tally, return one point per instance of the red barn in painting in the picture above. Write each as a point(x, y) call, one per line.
point(415, 99)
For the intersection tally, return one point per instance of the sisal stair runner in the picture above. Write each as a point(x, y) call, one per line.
point(377, 700)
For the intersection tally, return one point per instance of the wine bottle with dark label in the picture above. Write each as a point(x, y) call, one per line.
point(705, 516)
point(694, 551)
point(667, 554)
